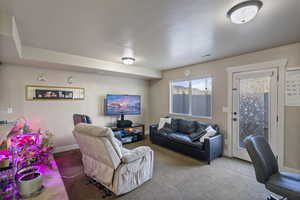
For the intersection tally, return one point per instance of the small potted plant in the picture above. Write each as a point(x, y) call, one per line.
point(30, 184)
point(26, 170)
point(32, 148)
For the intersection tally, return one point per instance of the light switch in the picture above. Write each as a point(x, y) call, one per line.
point(225, 109)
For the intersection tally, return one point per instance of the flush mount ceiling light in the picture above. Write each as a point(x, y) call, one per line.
point(244, 12)
point(128, 60)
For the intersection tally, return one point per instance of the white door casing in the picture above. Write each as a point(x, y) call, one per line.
point(281, 66)
point(254, 108)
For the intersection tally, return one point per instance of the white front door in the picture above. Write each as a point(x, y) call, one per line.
point(254, 97)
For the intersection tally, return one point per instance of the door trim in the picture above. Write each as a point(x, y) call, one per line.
point(281, 66)
point(237, 151)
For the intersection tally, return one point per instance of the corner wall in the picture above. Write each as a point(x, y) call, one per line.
point(159, 93)
point(57, 115)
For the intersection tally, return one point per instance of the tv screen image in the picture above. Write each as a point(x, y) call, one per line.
point(123, 104)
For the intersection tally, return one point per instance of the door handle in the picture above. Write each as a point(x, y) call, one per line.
point(234, 119)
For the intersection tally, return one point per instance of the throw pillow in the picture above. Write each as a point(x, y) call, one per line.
point(162, 122)
point(210, 131)
point(187, 126)
point(197, 135)
point(201, 127)
point(166, 129)
point(174, 124)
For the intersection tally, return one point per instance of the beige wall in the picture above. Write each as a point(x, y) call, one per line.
point(57, 115)
point(159, 92)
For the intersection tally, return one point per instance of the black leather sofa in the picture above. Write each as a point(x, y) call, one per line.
point(177, 138)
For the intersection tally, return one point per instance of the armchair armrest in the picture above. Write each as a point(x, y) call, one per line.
point(153, 131)
point(213, 146)
point(153, 127)
point(136, 154)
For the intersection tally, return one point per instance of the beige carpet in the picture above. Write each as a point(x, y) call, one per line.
point(176, 177)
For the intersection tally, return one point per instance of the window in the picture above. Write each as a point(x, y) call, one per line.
point(192, 97)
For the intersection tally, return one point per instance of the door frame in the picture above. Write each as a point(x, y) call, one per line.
point(237, 151)
point(281, 66)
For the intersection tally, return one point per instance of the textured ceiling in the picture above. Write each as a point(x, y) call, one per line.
point(161, 34)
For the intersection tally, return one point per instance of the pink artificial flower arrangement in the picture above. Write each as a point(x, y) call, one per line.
point(31, 148)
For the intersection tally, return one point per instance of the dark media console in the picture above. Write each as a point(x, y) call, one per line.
point(120, 105)
point(124, 123)
point(130, 134)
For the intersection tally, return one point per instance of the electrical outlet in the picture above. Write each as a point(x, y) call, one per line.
point(9, 110)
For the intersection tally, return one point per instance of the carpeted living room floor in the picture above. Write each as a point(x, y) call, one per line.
point(176, 177)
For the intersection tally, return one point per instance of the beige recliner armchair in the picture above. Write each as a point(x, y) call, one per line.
point(105, 160)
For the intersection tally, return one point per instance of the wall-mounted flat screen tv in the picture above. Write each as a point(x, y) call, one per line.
point(123, 104)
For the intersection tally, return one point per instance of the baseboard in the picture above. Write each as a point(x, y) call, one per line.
point(291, 170)
point(66, 148)
point(226, 153)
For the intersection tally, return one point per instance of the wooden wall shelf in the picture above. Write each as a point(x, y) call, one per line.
point(53, 93)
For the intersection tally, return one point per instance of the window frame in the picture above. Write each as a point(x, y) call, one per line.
point(190, 99)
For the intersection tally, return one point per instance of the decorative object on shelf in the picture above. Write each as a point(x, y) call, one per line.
point(38, 92)
point(53, 94)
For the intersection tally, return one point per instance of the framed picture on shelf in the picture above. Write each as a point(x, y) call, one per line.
point(68, 94)
point(47, 94)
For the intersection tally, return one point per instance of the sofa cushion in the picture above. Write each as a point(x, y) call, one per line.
point(166, 129)
point(180, 137)
point(209, 132)
point(184, 139)
point(163, 121)
point(187, 126)
point(201, 126)
point(175, 124)
point(197, 144)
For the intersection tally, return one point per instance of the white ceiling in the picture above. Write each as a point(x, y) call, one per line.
point(162, 34)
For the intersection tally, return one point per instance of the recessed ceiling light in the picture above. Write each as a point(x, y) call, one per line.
point(128, 60)
point(244, 12)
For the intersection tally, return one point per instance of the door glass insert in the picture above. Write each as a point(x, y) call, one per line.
point(254, 107)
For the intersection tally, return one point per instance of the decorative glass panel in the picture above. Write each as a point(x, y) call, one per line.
point(254, 108)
